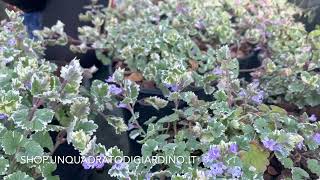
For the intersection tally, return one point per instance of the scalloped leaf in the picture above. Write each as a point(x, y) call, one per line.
point(4, 164)
point(80, 108)
point(80, 139)
point(118, 123)
point(148, 147)
point(299, 174)
point(12, 141)
point(314, 166)
point(18, 176)
point(40, 119)
point(256, 157)
point(43, 138)
point(100, 93)
point(30, 149)
point(156, 102)
point(89, 127)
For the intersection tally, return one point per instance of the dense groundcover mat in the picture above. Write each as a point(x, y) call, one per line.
point(211, 89)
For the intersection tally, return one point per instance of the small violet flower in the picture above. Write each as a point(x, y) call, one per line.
point(312, 118)
point(269, 144)
point(217, 71)
point(172, 87)
point(233, 148)
point(199, 25)
point(113, 89)
point(122, 105)
point(214, 153)
point(216, 169)
point(3, 116)
point(119, 165)
point(12, 42)
point(235, 172)
point(99, 163)
point(316, 138)
point(258, 98)
point(242, 93)
point(300, 145)
point(88, 163)
point(110, 79)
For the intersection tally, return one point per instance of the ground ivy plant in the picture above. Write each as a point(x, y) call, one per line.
point(37, 99)
point(180, 46)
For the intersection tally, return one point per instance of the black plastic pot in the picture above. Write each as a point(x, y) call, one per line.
point(28, 5)
point(248, 63)
point(146, 112)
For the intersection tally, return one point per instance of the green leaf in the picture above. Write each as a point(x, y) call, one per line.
point(12, 141)
point(80, 139)
point(30, 149)
point(299, 174)
point(47, 169)
point(89, 127)
point(148, 147)
point(256, 157)
point(9, 101)
point(4, 164)
point(43, 138)
point(39, 121)
point(18, 176)
point(314, 166)
point(220, 95)
point(171, 118)
point(118, 123)
point(156, 102)
point(214, 131)
point(286, 162)
point(296, 87)
point(80, 108)
point(262, 126)
point(103, 58)
point(132, 91)
point(100, 93)
point(189, 97)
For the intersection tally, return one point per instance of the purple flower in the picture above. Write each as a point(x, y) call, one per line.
point(122, 105)
point(255, 83)
point(316, 138)
point(313, 118)
point(110, 79)
point(3, 116)
point(235, 172)
point(300, 145)
point(216, 169)
point(113, 89)
point(132, 126)
point(99, 162)
point(180, 9)
point(269, 144)
point(214, 153)
point(12, 42)
point(233, 148)
point(199, 25)
point(88, 163)
point(148, 176)
point(217, 71)
point(258, 98)
point(173, 87)
point(242, 93)
point(1, 49)
point(119, 165)
point(8, 27)
point(28, 85)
